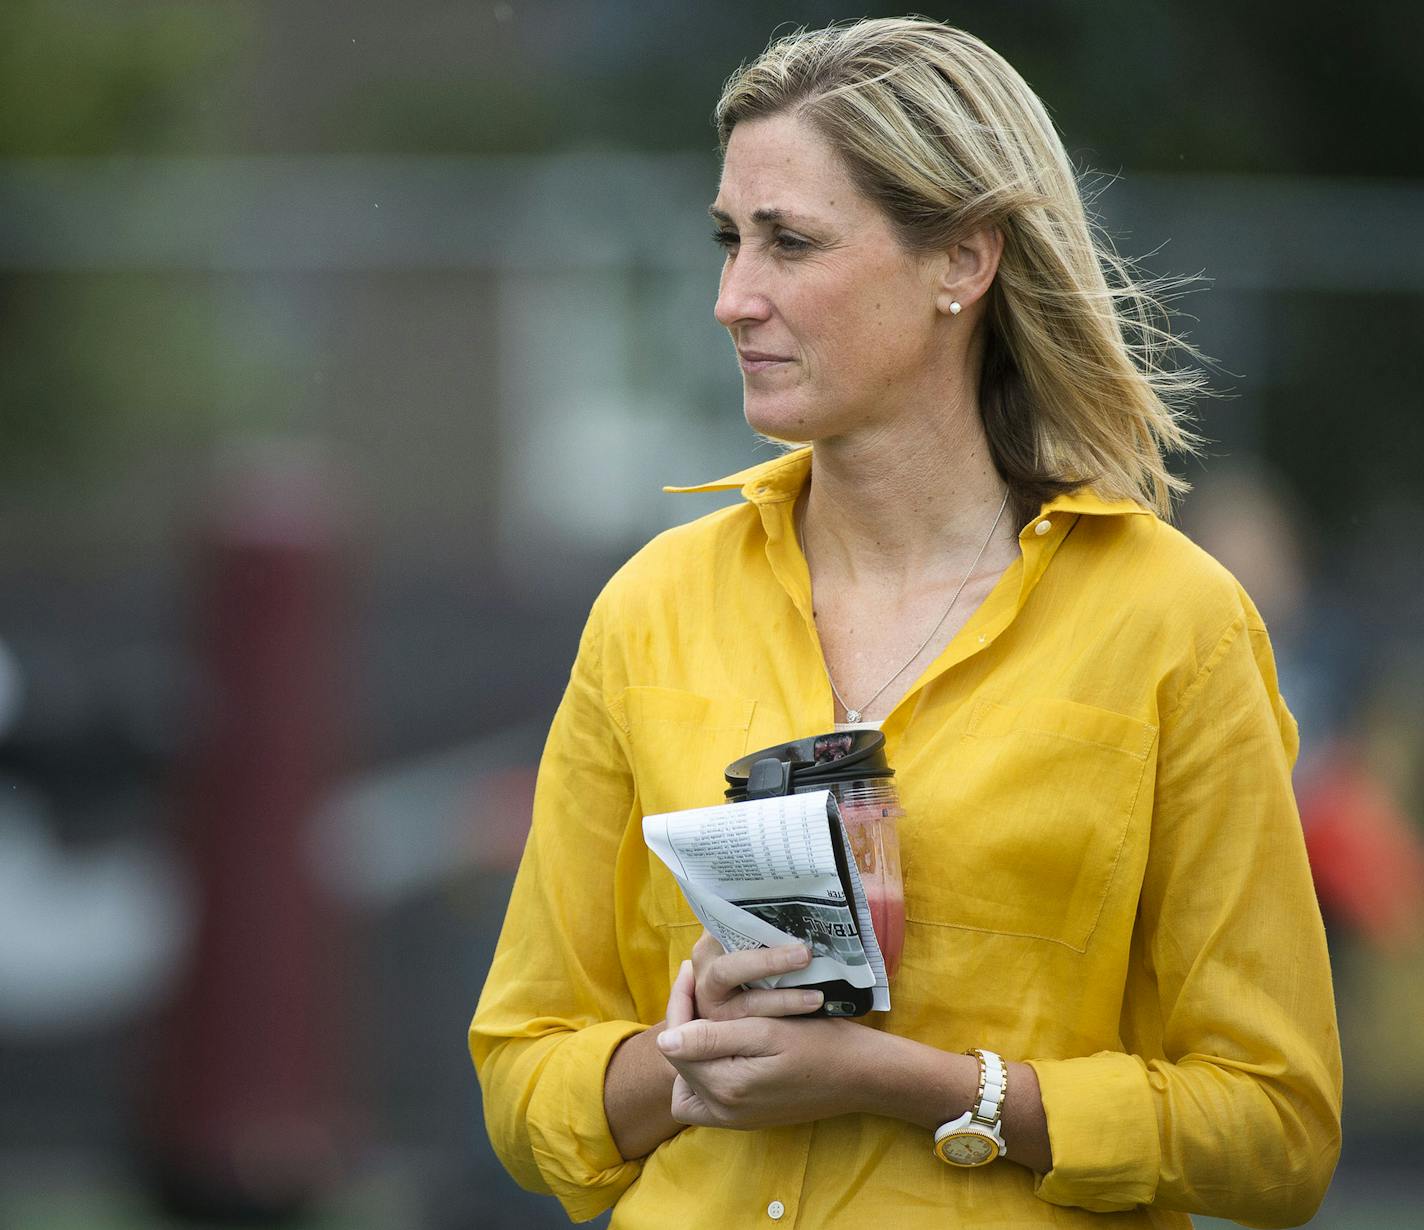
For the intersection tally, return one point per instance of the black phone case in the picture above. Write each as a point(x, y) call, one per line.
point(841, 999)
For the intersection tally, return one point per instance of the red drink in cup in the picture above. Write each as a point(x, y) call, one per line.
point(870, 809)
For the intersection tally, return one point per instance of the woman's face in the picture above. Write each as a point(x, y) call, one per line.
point(833, 320)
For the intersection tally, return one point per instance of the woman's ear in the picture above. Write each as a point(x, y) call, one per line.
point(968, 270)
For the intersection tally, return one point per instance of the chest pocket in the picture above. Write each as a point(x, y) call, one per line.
point(679, 743)
point(1020, 826)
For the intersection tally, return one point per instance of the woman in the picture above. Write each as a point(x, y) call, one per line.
point(1105, 882)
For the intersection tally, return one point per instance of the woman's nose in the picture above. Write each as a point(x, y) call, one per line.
point(738, 298)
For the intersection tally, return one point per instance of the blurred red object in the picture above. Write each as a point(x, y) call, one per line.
point(1365, 853)
point(247, 1100)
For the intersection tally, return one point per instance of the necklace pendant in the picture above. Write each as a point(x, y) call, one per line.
point(852, 715)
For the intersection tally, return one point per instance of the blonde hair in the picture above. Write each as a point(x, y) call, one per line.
point(1080, 383)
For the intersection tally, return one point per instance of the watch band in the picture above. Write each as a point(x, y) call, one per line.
point(988, 1105)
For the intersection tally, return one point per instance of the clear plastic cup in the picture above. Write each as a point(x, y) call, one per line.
point(870, 809)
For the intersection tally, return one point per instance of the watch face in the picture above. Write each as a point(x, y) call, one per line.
point(967, 1149)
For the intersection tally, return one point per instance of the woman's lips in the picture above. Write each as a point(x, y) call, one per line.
point(760, 361)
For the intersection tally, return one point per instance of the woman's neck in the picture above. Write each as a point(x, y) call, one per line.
point(898, 508)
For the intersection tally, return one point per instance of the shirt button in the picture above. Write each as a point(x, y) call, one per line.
point(776, 1210)
point(1043, 527)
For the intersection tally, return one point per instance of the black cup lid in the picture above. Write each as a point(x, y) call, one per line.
point(841, 755)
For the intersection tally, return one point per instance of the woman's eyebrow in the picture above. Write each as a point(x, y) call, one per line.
point(765, 214)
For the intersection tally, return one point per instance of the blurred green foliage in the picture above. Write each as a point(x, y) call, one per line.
point(115, 78)
point(91, 365)
point(1299, 87)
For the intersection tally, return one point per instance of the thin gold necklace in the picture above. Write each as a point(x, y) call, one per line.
point(853, 715)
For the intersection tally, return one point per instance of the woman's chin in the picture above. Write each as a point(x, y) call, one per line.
point(795, 429)
point(790, 424)
point(780, 437)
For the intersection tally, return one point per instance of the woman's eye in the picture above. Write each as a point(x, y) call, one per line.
point(786, 244)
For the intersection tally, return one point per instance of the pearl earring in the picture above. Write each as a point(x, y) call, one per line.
point(955, 308)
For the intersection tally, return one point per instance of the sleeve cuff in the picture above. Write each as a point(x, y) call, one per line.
point(1102, 1129)
point(568, 1131)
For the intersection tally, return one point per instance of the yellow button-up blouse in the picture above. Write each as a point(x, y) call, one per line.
point(1104, 876)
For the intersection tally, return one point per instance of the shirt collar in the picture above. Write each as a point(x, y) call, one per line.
point(782, 477)
point(1085, 500)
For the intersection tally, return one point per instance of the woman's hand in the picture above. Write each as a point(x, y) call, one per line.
point(757, 1071)
point(637, 1095)
point(718, 993)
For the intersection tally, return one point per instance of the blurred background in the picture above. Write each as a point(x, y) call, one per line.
point(344, 349)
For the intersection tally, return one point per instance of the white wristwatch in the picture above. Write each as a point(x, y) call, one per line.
point(974, 1138)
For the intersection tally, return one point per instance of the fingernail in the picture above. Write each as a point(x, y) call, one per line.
point(670, 1041)
point(797, 955)
point(812, 999)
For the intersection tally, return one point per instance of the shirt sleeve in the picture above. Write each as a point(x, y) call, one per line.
point(556, 1004)
point(1230, 981)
